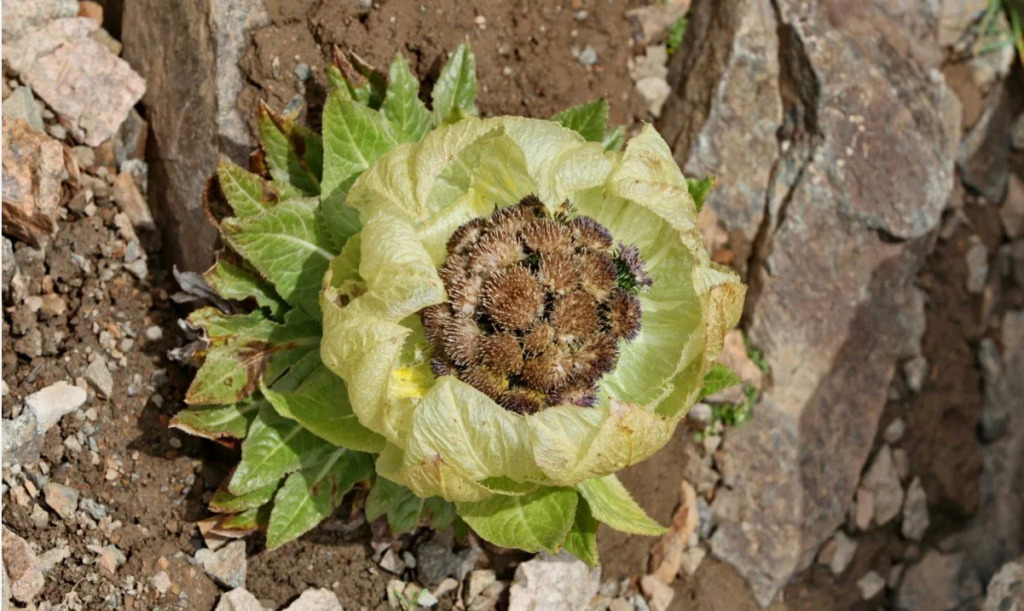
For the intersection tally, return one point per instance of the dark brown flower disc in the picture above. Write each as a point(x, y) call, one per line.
point(537, 305)
point(513, 298)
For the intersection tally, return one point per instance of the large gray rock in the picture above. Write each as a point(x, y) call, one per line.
point(553, 582)
point(1006, 590)
point(859, 151)
point(191, 88)
point(22, 16)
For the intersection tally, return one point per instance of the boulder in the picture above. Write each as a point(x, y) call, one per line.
point(195, 76)
point(816, 129)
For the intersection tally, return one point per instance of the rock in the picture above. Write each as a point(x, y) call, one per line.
point(553, 582)
point(902, 462)
point(238, 599)
point(666, 553)
point(1005, 591)
point(104, 87)
point(22, 105)
point(915, 512)
point(846, 548)
point(435, 562)
point(227, 566)
point(895, 575)
point(161, 582)
point(883, 480)
point(1017, 133)
point(392, 562)
point(131, 201)
point(315, 599)
point(658, 594)
point(201, 44)
point(110, 558)
point(99, 375)
point(983, 155)
point(130, 141)
point(22, 440)
point(588, 56)
point(700, 416)
point(91, 10)
point(53, 402)
point(931, 583)
point(915, 371)
point(651, 23)
point(894, 432)
point(870, 585)
point(690, 561)
point(62, 499)
point(51, 558)
point(977, 265)
point(864, 509)
point(1012, 211)
point(32, 167)
point(21, 567)
point(23, 16)
point(798, 106)
point(654, 90)
point(476, 583)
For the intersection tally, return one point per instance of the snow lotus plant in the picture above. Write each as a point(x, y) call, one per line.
point(485, 318)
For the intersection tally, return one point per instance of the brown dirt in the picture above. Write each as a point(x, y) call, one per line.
point(153, 492)
point(525, 60)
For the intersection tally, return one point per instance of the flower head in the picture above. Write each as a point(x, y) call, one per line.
point(556, 296)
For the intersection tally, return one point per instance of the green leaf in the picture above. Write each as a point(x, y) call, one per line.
point(287, 247)
point(612, 504)
point(588, 120)
point(274, 448)
point(234, 282)
point(719, 378)
point(582, 538)
point(354, 137)
point(699, 189)
point(356, 80)
point(246, 193)
point(312, 494)
point(217, 422)
point(454, 94)
point(294, 154)
point(536, 521)
point(245, 522)
point(243, 348)
point(318, 400)
point(402, 104)
point(614, 138)
point(402, 507)
point(225, 502)
point(440, 513)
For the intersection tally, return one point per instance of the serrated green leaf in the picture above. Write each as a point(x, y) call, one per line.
point(536, 521)
point(225, 502)
point(612, 504)
point(244, 348)
point(582, 538)
point(287, 247)
point(246, 193)
point(356, 80)
point(234, 282)
point(294, 153)
point(402, 104)
point(217, 422)
point(455, 90)
point(312, 494)
point(719, 378)
point(700, 188)
point(440, 514)
point(354, 137)
point(614, 138)
point(588, 120)
point(318, 399)
point(274, 448)
point(402, 507)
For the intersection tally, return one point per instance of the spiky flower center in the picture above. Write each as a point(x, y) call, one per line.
point(538, 304)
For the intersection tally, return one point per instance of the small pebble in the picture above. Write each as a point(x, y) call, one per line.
point(588, 56)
